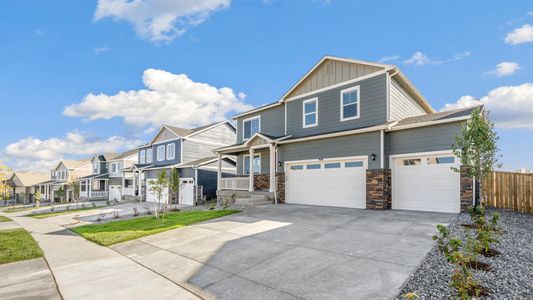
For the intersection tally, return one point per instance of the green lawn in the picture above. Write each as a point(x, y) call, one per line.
point(62, 212)
point(115, 232)
point(4, 219)
point(17, 244)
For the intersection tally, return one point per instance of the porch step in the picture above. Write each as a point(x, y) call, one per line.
point(254, 199)
point(128, 198)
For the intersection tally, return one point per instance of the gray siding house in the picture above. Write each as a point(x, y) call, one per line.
point(96, 185)
point(191, 152)
point(349, 133)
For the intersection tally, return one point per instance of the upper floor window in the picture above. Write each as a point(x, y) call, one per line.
point(171, 151)
point(350, 103)
point(149, 156)
point(114, 167)
point(160, 153)
point(142, 156)
point(95, 167)
point(250, 127)
point(310, 113)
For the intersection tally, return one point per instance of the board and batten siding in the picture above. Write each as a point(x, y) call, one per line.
point(222, 134)
point(364, 144)
point(373, 109)
point(422, 139)
point(272, 122)
point(331, 72)
point(164, 135)
point(402, 104)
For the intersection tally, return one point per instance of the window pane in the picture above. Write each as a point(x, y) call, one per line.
point(349, 111)
point(412, 162)
point(247, 129)
point(353, 164)
point(310, 107)
point(257, 165)
point(255, 126)
point(310, 119)
point(297, 167)
point(332, 165)
point(441, 160)
point(350, 97)
point(313, 166)
point(246, 165)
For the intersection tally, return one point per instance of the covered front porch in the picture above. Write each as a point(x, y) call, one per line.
point(94, 187)
point(257, 169)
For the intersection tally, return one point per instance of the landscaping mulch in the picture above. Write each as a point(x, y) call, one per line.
point(511, 276)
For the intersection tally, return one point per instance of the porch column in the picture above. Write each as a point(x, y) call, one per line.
point(219, 172)
point(272, 184)
point(90, 186)
point(251, 165)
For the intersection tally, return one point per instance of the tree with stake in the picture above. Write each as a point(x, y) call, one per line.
point(477, 148)
point(37, 196)
point(157, 188)
point(174, 185)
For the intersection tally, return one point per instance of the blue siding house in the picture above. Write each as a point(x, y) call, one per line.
point(349, 133)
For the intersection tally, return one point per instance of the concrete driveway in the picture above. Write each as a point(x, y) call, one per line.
point(292, 252)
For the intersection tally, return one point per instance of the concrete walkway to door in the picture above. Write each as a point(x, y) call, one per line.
point(84, 270)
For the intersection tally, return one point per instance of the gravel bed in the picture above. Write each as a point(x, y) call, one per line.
point(512, 274)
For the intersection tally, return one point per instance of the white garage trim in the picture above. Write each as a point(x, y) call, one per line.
point(425, 186)
point(328, 183)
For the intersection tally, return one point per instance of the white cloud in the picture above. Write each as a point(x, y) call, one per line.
point(530, 13)
point(510, 106)
point(101, 50)
point(520, 35)
point(505, 68)
point(159, 20)
point(389, 58)
point(420, 59)
point(31, 153)
point(169, 99)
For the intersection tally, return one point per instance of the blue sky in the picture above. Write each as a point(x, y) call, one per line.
point(55, 53)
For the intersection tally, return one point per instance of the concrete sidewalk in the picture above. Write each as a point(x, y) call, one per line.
point(84, 270)
point(27, 279)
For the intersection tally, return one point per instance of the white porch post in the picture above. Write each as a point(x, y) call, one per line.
point(272, 168)
point(89, 189)
point(251, 165)
point(219, 172)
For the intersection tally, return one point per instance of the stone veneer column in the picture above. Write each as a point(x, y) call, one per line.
point(378, 189)
point(467, 189)
point(262, 182)
point(280, 179)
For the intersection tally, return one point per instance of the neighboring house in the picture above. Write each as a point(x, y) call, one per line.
point(350, 133)
point(190, 151)
point(120, 180)
point(96, 185)
point(65, 172)
point(23, 185)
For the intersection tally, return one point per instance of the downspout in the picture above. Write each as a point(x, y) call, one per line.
point(382, 148)
point(195, 168)
point(275, 174)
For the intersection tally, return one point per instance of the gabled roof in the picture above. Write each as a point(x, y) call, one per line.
point(109, 155)
point(71, 164)
point(125, 154)
point(436, 117)
point(203, 161)
point(30, 178)
point(185, 133)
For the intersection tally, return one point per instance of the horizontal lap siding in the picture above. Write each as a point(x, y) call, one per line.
point(373, 98)
point(272, 122)
point(402, 105)
point(222, 133)
point(422, 139)
point(354, 145)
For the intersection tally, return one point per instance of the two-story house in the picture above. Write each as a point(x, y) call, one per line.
point(96, 185)
point(66, 171)
point(120, 180)
point(354, 134)
point(190, 151)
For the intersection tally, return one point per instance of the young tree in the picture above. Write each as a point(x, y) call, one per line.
point(74, 189)
point(174, 185)
point(4, 188)
point(37, 197)
point(477, 148)
point(157, 188)
point(61, 194)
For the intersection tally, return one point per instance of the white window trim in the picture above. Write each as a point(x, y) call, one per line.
point(142, 157)
point(351, 89)
point(149, 158)
point(305, 114)
point(169, 153)
point(244, 159)
point(162, 158)
point(249, 119)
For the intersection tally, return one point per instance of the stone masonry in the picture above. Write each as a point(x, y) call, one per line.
point(467, 189)
point(261, 182)
point(378, 189)
point(280, 179)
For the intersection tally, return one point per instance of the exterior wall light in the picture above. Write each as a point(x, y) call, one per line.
point(373, 157)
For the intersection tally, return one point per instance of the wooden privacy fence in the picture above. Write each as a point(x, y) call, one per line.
point(509, 190)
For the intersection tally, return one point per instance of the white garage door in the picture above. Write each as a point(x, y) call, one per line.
point(115, 192)
point(426, 183)
point(340, 182)
point(186, 192)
